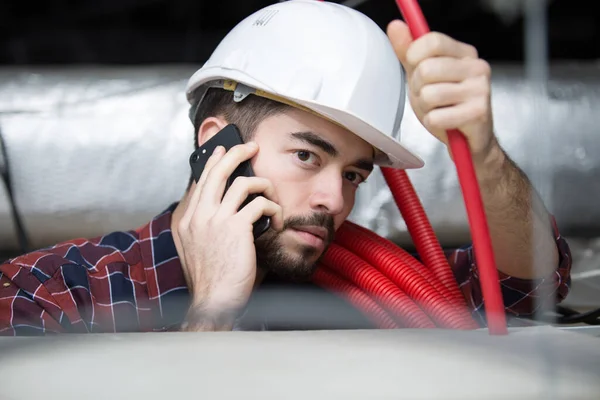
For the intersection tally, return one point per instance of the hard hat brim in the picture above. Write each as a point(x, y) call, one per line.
point(390, 153)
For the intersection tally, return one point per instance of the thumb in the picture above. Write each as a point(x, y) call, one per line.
point(399, 34)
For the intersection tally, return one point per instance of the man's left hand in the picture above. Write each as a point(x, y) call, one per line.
point(449, 86)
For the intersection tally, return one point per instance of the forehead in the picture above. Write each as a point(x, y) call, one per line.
point(348, 144)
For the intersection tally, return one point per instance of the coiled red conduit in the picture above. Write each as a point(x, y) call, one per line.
point(391, 287)
point(387, 283)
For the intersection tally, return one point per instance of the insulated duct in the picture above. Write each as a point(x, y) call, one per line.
point(93, 150)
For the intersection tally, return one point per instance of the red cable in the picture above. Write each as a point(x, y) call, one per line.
point(401, 253)
point(404, 271)
point(383, 278)
point(364, 275)
point(356, 296)
point(422, 232)
point(482, 243)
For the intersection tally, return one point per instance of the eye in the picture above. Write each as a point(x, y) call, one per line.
point(354, 177)
point(306, 156)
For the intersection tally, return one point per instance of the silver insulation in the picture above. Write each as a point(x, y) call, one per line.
point(93, 150)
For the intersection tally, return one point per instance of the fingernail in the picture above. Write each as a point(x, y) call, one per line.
point(254, 145)
point(218, 150)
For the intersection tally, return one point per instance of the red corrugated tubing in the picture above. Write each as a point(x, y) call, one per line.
point(356, 296)
point(400, 285)
point(461, 153)
point(419, 228)
point(404, 271)
point(391, 287)
point(386, 293)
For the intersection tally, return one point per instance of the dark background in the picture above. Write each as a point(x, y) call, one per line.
point(186, 31)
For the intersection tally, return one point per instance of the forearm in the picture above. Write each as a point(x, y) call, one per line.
point(520, 226)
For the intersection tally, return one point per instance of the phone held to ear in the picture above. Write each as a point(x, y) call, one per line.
point(228, 137)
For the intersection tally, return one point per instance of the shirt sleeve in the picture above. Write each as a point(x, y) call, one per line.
point(35, 298)
point(521, 296)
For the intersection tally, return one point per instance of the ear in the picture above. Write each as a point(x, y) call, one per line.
point(210, 127)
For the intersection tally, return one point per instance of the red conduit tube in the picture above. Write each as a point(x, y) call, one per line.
point(347, 274)
point(407, 258)
point(356, 296)
point(402, 269)
point(391, 297)
point(422, 232)
point(482, 243)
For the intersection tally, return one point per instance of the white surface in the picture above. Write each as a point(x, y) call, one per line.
point(534, 363)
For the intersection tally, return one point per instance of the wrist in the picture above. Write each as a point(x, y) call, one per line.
point(491, 167)
point(208, 313)
point(200, 319)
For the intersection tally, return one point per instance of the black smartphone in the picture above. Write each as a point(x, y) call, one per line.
point(228, 137)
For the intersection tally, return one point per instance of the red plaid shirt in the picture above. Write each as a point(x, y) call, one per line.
point(133, 281)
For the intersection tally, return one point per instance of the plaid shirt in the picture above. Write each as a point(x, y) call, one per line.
point(133, 281)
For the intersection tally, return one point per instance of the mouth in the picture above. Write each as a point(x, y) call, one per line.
point(317, 231)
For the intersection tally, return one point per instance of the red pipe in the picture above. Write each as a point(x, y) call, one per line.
point(355, 296)
point(422, 232)
point(482, 243)
point(403, 270)
point(390, 277)
point(400, 253)
point(381, 289)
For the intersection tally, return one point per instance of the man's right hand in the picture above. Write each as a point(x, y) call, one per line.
point(219, 257)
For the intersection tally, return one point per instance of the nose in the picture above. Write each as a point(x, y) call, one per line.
point(328, 194)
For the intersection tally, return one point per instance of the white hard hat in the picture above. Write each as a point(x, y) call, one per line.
point(322, 57)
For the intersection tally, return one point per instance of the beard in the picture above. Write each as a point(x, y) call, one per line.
point(273, 257)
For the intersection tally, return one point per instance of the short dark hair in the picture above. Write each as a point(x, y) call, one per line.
point(246, 114)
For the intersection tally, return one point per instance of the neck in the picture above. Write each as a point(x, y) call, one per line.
point(178, 214)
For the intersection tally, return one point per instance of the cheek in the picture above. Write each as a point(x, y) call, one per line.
point(349, 199)
point(291, 183)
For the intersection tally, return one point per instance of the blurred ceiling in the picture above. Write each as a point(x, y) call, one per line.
point(186, 31)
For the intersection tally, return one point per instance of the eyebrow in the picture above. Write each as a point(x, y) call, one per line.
point(317, 141)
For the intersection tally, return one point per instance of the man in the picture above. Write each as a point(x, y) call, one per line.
point(318, 94)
